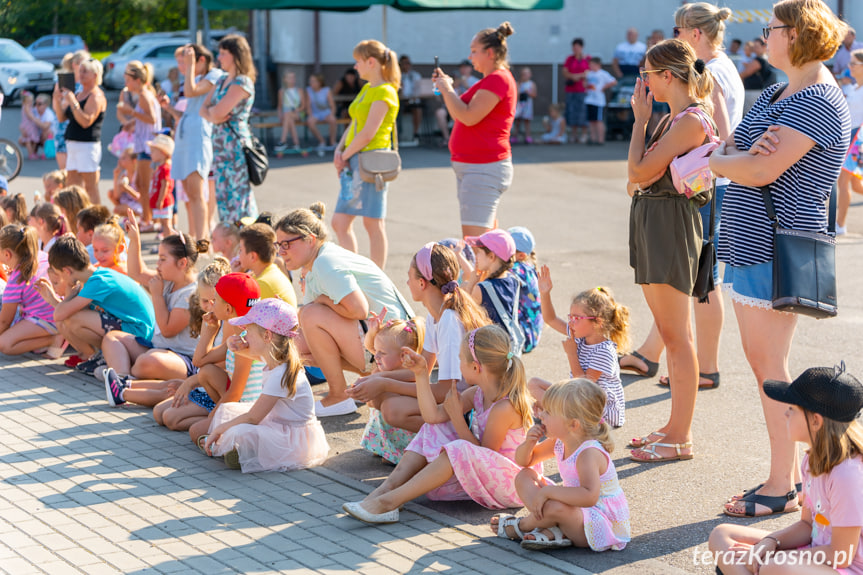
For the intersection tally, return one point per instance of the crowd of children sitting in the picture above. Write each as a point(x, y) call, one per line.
point(224, 353)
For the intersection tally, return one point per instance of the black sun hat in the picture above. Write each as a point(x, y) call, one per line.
point(827, 391)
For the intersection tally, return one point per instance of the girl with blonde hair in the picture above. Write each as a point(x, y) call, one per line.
point(588, 509)
point(451, 459)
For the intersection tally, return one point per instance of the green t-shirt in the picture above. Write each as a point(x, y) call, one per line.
point(338, 272)
point(359, 111)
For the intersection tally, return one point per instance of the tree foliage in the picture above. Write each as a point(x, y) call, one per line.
point(104, 24)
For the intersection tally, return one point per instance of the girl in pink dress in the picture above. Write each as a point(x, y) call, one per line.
point(279, 431)
point(824, 406)
point(589, 509)
point(451, 459)
point(386, 343)
point(432, 280)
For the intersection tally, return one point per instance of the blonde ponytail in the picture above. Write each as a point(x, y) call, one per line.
point(387, 58)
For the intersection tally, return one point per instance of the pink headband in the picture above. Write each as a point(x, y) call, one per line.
point(470, 344)
point(424, 261)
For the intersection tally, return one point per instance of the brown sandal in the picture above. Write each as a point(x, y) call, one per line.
point(201, 442)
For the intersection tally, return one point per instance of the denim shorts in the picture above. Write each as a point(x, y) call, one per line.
point(191, 369)
point(750, 285)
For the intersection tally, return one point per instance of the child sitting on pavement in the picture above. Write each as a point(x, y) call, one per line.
point(279, 431)
point(94, 301)
point(256, 253)
point(123, 193)
point(168, 354)
point(86, 223)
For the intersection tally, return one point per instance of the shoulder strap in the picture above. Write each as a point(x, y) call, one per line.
point(395, 142)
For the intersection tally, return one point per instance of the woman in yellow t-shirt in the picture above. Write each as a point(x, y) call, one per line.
point(373, 114)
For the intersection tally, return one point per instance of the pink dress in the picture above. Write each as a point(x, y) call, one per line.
point(606, 524)
point(486, 476)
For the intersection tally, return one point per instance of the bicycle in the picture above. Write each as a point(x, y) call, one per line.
point(11, 159)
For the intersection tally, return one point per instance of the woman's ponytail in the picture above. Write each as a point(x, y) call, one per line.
point(387, 58)
point(700, 81)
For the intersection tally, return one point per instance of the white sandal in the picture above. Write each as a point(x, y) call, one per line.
point(541, 540)
point(504, 521)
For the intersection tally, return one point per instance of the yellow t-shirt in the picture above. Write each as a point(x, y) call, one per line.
point(274, 283)
point(359, 111)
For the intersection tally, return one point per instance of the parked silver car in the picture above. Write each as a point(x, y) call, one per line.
point(159, 53)
point(19, 70)
point(53, 47)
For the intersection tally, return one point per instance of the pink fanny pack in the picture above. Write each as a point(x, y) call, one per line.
point(691, 173)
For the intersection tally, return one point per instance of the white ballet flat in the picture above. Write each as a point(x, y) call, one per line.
point(357, 511)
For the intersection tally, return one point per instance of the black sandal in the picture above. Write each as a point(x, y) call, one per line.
point(652, 366)
point(797, 487)
point(713, 378)
point(776, 504)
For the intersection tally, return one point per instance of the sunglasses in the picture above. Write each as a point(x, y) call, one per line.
point(285, 245)
point(766, 31)
point(571, 317)
point(644, 73)
point(677, 29)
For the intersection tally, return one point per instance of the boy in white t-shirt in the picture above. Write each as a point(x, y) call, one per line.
point(598, 81)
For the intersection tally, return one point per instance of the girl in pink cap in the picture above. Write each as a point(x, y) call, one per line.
point(451, 313)
point(279, 431)
point(493, 285)
point(451, 458)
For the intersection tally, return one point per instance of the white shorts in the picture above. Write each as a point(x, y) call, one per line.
point(83, 157)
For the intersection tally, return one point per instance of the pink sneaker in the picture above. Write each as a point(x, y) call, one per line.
point(528, 140)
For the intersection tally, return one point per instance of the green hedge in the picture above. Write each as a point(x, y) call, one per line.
point(104, 24)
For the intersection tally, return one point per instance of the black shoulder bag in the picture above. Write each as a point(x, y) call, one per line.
point(704, 281)
point(804, 263)
point(257, 161)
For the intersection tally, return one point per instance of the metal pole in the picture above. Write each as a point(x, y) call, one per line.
point(840, 9)
point(554, 70)
point(317, 27)
point(384, 24)
point(205, 40)
point(193, 20)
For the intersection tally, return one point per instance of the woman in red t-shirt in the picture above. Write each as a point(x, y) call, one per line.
point(483, 116)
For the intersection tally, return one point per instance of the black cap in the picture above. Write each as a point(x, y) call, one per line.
point(466, 63)
point(827, 391)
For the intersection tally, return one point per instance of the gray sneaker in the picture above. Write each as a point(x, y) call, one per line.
point(89, 367)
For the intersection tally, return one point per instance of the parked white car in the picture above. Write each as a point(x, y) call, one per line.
point(19, 71)
point(159, 53)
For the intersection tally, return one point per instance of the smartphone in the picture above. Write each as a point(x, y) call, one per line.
point(436, 66)
point(66, 81)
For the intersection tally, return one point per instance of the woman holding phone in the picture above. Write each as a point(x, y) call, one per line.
point(482, 121)
point(85, 112)
point(373, 114)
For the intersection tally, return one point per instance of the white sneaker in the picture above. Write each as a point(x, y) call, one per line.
point(841, 230)
point(345, 407)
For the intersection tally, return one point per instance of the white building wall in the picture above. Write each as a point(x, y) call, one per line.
point(541, 36)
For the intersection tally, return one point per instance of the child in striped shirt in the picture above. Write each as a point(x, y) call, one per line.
point(26, 319)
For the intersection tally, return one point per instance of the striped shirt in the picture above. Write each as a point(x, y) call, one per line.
point(800, 194)
point(25, 293)
point(602, 357)
point(255, 381)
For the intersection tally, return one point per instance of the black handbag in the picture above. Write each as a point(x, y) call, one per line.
point(257, 161)
point(704, 281)
point(804, 265)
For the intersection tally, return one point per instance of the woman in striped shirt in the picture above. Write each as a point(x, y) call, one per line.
point(793, 140)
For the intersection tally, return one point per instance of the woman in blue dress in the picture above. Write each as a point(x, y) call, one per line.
point(193, 154)
point(228, 106)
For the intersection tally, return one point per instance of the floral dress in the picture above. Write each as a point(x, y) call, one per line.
point(479, 473)
point(383, 439)
point(606, 524)
point(234, 196)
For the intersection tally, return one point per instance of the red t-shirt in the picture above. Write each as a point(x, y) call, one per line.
point(161, 174)
point(488, 140)
point(576, 66)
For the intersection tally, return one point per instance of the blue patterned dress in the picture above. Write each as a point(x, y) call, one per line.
point(234, 195)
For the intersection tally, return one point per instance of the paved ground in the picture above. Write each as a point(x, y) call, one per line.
point(97, 489)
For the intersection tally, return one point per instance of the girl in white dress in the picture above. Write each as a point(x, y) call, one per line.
point(279, 431)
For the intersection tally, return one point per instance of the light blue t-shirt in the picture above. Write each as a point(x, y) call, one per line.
point(122, 297)
point(338, 272)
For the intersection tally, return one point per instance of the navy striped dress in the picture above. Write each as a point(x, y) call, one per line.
point(800, 194)
point(602, 357)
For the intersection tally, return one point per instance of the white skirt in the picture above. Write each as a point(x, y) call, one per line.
point(271, 445)
point(83, 157)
